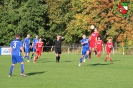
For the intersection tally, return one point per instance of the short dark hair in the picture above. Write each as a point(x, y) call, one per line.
point(17, 35)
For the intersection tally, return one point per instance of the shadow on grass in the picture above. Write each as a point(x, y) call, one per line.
point(99, 64)
point(35, 73)
point(67, 61)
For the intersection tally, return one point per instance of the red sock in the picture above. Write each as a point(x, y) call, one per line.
point(89, 54)
point(110, 59)
point(106, 58)
point(99, 55)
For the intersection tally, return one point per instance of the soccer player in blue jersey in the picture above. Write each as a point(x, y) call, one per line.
point(35, 40)
point(26, 46)
point(85, 48)
point(15, 47)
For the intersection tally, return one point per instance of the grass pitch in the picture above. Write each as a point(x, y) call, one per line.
point(46, 73)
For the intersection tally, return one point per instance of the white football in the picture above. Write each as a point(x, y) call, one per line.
point(92, 27)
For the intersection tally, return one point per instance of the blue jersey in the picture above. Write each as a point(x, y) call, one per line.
point(35, 40)
point(86, 45)
point(16, 44)
point(27, 43)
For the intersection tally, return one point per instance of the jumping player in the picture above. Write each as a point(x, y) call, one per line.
point(93, 40)
point(39, 49)
point(108, 46)
point(15, 47)
point(35, 40)
point(26, 46)
point(85, 48)
point(99, 45)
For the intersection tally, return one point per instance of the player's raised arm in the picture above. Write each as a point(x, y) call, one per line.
point(62, 38)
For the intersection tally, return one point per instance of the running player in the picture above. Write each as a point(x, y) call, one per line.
point(57, 44)
point(99, 45)
point(15, 47)
point(109, 46)
point(93, 40)
point(35, 40)
point(85, 49)
point(26, 46)
point(39, 49)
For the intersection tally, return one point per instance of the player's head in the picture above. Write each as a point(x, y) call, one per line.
point(58, 37)
point(17, 35)
point(95, 29)
point(36, 36)
point(28, 35)
point(40, 39)
point(98, 38)
point(84, 36)
point(109, 39)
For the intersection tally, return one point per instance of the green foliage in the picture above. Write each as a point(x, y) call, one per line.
point(69, 18)
point(25, 17)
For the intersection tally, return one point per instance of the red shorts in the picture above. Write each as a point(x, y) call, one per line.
point(38, 52)
point(108, 51)
point(99, 49)
point(92, 44)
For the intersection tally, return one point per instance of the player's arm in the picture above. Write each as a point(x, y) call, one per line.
point(22, 49)
point(62, 38)
point(42, 47)
point(24, 43)
point(82, 43)
point(52, 46)
point(10, 50)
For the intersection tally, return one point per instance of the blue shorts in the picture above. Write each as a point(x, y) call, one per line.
point(27, 50)
point(84, 51)
point(17, 59)
point(34, 49)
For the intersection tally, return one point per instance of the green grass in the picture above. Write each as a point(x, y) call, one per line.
point(46, 73)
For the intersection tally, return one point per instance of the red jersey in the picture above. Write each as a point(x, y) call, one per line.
point(99, 43)
point(109, 45)
point(39, 46)
point(93, 36)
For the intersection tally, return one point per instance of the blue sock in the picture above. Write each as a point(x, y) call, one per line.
point(11, 69)
point(27, 57)
point(81, 60)
point(86, 56)
point(22, 68)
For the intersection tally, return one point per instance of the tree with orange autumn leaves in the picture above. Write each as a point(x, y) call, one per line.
point(103, 14)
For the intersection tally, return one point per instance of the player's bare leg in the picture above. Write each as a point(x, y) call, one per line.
point(106, 57)
point(99, 54)
point(91, 50)
point(110, 58)
point(35, 58)
point(95, 51)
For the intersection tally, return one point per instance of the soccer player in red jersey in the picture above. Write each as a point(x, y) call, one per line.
point(39, 49)
point(108, 46)
point(99, 45)
point(93, 40)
